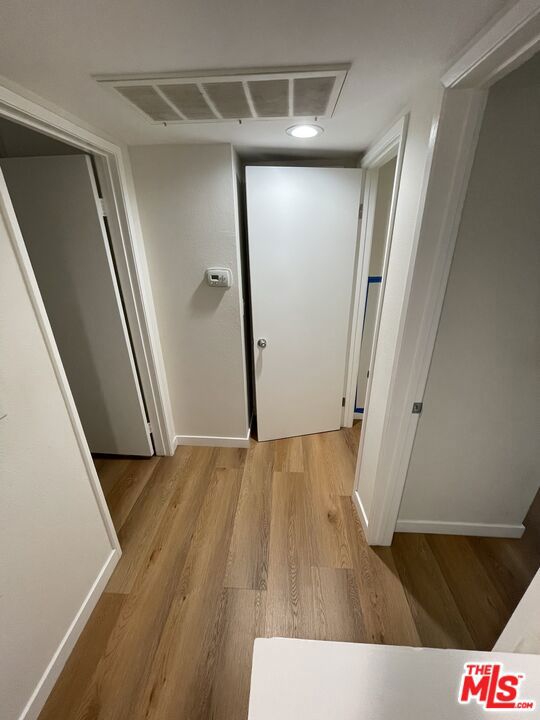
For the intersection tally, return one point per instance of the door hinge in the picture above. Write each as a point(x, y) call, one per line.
point(103, 205)
point(149, 426)
point(342, 402)
point(360, 211)
point(367, 374)
point(417, 408)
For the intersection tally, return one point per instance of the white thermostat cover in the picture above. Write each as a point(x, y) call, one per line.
point(218, 277)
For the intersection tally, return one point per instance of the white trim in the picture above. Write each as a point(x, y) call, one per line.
point(236, 181)
point(364, 521)
point(242, 73)
point(213, 441)
point(448, 167)
point(510, 39)
point(149, 363)
point(129, 250)
point(390, 145)
point(54, 668)
point(386, 147)
point(460, 528)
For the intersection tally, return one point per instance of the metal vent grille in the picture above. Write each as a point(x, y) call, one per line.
point(270, 97)
point(311, 95)
point(234, 95)
point(189, 98)
point(148, 100)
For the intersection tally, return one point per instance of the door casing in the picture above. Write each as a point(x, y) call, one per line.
point(391, 145)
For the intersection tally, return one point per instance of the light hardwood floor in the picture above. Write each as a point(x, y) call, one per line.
point(222, 545)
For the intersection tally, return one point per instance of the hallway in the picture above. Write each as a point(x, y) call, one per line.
point(223, 545)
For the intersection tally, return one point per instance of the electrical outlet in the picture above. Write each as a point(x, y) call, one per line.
point(417, 408)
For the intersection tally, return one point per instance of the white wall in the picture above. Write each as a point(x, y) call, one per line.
point(475, 458)
point(378, 433)
point(52, 537)
point(385, 185)
point(186, 199)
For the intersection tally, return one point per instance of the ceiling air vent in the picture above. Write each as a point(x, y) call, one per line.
point(232, 95)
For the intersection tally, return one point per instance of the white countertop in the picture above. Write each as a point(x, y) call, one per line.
point(293, 679)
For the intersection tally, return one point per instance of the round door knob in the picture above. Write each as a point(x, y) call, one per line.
point(261, 342)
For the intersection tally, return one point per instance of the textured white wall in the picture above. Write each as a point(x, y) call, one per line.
point(186, 200)
point(476, 455)
point(52, 537)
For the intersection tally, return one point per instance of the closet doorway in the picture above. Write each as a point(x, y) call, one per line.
point(57, 197)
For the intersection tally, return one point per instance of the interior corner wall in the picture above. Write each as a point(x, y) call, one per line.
point(55, 550)
point(476, 455)
point(186, 195)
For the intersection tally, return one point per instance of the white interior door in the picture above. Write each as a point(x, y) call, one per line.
point(302, 229)
point(59, 213)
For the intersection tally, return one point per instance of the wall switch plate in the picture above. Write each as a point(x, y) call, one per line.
point(218, 277)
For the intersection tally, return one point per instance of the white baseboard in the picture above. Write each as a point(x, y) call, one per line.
point(358, 415)
point(171, 446)
point(457, 528)
point(360, 510)
point(50, 676)
point(213, 441)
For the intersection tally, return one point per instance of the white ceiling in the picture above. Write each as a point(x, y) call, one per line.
point(52, 48)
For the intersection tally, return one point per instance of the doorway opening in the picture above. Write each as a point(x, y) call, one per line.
point(58, 193)
point(304, 292)
point(381, 186)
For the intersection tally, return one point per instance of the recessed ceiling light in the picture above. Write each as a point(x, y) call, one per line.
point(305, 131)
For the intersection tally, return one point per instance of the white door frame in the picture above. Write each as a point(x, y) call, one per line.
point(390, 145)
point(118, 191)
point(511, 39)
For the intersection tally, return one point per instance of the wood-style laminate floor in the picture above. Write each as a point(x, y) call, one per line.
point(221, 546)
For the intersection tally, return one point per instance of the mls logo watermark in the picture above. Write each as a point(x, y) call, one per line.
point(488, 685)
